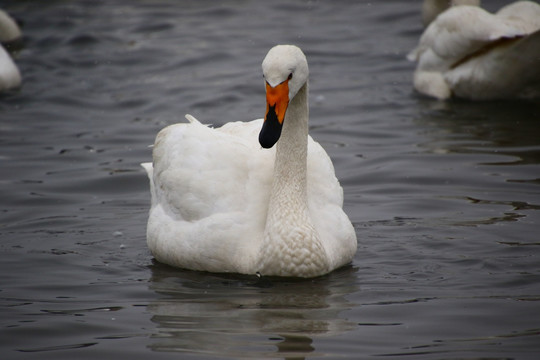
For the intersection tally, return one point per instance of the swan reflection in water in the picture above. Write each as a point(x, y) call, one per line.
point(232, 315)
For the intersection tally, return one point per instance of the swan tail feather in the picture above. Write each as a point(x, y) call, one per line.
point(192, 119)
point(148, 166)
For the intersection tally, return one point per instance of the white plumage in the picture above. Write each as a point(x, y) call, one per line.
point(222, 203)
point(9, 30)
point(432, 8)
point(10, 76)
point(469, 53)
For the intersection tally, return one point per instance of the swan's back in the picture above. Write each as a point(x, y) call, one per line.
point(212, 164)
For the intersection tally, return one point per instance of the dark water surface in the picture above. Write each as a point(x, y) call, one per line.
point(445, 197)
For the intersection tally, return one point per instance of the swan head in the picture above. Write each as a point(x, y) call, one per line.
point(285, 71)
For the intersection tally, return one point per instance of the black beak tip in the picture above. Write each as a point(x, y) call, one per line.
point(266, 141)
point(271, 129)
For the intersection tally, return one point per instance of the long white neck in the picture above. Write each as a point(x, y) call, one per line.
point(290, 167)
point(291, 245)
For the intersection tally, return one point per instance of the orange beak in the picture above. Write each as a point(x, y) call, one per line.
point(277, 100)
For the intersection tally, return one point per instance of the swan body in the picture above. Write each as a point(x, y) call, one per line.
point(223, 203)
point(469, 53)
point(10, 76)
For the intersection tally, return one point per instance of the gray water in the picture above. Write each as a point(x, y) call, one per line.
point(444, 196)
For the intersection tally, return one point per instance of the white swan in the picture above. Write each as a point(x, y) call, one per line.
point(10, 76)
point(469, 53)
point(221, 203)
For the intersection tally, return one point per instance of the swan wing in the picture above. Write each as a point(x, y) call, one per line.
point(463, 33)
point(208, 186)
point(523, 15)
point(199, 171)
point(460, 31)
point(509, 70)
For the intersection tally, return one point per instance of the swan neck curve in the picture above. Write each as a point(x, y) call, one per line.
point(291, 245)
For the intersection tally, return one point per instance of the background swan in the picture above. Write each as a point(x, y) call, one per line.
point(10, 76)
point(222, 203)
point(467, 52)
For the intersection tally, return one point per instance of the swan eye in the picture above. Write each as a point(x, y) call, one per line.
point(290, 76)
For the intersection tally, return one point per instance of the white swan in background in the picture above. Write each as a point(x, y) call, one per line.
point(9, 30)
point(469, 53)
point(432, 8)
point(221, 203)
point(10, 76)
